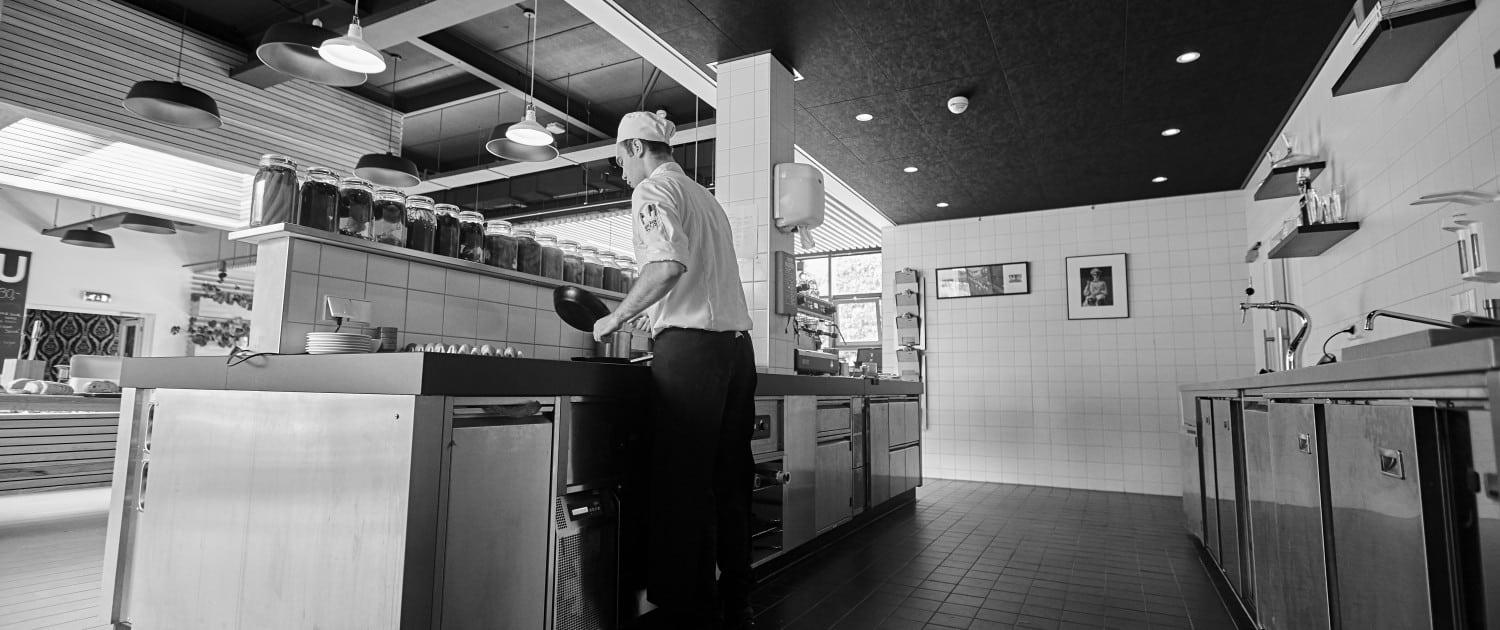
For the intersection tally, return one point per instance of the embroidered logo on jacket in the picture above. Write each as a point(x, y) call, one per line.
point(649, 221)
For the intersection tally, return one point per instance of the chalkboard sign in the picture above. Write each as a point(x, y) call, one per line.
point(15, 268)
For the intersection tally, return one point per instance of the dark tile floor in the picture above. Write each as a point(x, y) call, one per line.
point(986, 555)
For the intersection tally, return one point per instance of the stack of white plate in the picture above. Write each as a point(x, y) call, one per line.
point(337, 343)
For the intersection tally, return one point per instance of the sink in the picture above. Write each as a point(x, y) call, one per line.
point(1419, 340)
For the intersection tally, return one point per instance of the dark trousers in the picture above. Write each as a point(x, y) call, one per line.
point(701, 470)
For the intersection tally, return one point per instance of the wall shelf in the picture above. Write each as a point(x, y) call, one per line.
point(1399, 46)
point(1312, 240)
point(1282, 181)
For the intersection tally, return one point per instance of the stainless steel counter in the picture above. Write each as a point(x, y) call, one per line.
point(1459, 367)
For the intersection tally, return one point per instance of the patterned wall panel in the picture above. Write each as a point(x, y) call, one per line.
point(65, 334)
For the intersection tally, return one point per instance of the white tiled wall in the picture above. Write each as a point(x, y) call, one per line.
point(427, 304)
point(1018, 393)
point(1387, 147)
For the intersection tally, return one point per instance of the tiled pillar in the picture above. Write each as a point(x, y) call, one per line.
point(754, 123)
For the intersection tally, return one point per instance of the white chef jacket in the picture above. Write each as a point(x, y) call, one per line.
point(678, 220)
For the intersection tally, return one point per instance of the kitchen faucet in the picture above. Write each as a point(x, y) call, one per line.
point(1292, 359)
point(1370, 319)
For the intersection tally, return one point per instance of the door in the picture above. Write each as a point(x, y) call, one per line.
point(1210, 475)
point(132, 337)
point(1192, 469)
point(879, 449)
point(1378, 541)
point(1262, 593)
point(1224, 480)
point(1486, 543)
point(834, 480)
point(1299, 576)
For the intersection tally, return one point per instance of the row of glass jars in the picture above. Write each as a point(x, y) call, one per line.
point(354, 207)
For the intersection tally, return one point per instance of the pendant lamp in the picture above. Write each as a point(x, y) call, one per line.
point(88, 237)
point(528, 131)
point(174, 103)
point(389, 169)
point(501, 146)
point(147, 224)
point(291, 48)
point(351, 52)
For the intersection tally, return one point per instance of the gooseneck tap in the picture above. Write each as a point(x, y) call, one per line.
point(1293, 357)
point(1370, 319)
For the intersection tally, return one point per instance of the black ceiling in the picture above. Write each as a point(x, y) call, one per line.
point(1068, 97)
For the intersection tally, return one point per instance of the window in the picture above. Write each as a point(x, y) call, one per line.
point(853, 282)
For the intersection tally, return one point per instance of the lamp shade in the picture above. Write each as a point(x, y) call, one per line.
point(388, 170)
point(173, 104)
point(291, 48)
point(88, 237)
point(148, 224)
point(351, 52)
point(529, 132)
point(506, 149)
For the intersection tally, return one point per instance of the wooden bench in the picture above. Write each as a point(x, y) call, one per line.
point(50, 451)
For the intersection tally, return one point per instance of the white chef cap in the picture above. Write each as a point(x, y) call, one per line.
point(646, 126)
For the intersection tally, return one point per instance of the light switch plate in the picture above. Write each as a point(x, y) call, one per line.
point(349, 309)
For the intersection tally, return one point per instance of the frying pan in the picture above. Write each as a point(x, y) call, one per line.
point(582, 309)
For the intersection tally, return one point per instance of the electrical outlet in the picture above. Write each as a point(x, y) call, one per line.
point(349, 309)
point(1466, 301)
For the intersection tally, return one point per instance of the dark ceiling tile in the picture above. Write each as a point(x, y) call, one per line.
point(886, 20)
point(1155, 19)
point(702, 44)
point(1037, 32)
point(893, 133)
point(1081, 91)
point(662, 15)
point(1156, 85)
point(571, 52)
point(956, 50)
point(989, 119)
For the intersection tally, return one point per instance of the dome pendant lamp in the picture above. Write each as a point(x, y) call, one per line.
point(173, 103)
point(389, 169)
point(88, 237)
point(351, 52)
point(528, 131)
point(291, 48)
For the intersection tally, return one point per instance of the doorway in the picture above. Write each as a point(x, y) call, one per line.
point(68, 333)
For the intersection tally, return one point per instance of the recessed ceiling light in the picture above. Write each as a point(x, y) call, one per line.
point(864, 117)
point(910, 169)
point(1158, 180)
point(942, 204)
point(1171, 131)
point(1188, 57)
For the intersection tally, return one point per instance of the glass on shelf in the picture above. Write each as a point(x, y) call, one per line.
point(318, 205)
point(356, 208)
point(593, 270)
point(471, 236)
point(528, 252)
point(421, 223)
point(572, 261)
point(446, 241)
point(499, 244)
point(552, 257)
point(389, 226)
point(1336, 205)
point(273, 192)
point(614, 277)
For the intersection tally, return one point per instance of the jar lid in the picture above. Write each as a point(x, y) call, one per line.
point(547, 238)
point(321, 171)
point(588, 248)
point(470, 216)
point(386, 191)
point(446, 209)
point(355, 182)
point(420, 200)
point(627, 260)
point(497, 226)
point(526, 233)
point(567, 243)
point(275, 159)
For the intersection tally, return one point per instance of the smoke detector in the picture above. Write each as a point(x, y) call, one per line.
point(958, 104)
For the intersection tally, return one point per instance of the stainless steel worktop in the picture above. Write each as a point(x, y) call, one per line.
point(418, 373)
point(1461, 365)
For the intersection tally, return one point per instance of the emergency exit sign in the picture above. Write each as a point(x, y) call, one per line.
point(95, 296)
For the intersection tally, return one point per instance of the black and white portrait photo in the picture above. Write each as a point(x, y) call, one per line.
point(1097, 287)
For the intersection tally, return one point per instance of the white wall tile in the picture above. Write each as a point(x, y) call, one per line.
point(343, 263)
point(306, 256)
point(388, 271)
point(388, 305)
point(427, 278)
point(494, 289)
point(520, 325)
point(302, 298)
point(460, 316)
point(336, 287)
point(462, 284)
point(424, 312)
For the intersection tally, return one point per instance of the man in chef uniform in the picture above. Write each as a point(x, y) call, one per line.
point(688, 295)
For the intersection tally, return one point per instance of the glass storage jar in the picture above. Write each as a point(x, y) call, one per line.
point(318, 205)
point(552, 257)
point(614, 279)
point(389, 226)
point(500, 244)
point(421, 223)
point(356, 208)
point(273, 192)
point(572, 270)
point(628, 272)
point(471, 236)
point(445, 241)
point(593, 270)
point(528, 252)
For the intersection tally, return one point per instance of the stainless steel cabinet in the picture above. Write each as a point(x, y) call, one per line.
point(1210, 477)
point(906, 469)
point(1192, 468)
point(1486, 534)
point(801, 439)
point(834, 484)
point(1226, 494)
point(1285, 505)
point(1376, 498)
point(834, 416)
point(880, 447)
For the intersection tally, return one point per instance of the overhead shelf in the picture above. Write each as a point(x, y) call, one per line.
point(1311, 240)
point(1282, 182)
point(1399, 45)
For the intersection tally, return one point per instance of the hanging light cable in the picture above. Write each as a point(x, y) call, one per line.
point(351, 52)
point(528, 131)
point(174, 103)
point(389, 169)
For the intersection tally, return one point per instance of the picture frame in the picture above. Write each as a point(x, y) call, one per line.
point(1098, 287)
point(1012, 278)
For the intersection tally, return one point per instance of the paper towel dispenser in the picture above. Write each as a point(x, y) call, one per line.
point(799, 196)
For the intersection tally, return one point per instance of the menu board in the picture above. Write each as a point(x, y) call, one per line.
point(15, 268)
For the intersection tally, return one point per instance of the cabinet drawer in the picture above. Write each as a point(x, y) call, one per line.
point(904, 422)
point(834, 417)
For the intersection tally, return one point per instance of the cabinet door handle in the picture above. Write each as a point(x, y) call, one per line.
point(1304, 443)
point(1391, 464)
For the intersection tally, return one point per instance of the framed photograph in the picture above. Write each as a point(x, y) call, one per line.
point(984, 280)
point(1098, 287)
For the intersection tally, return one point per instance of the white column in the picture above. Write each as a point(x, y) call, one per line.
point(754, 124)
